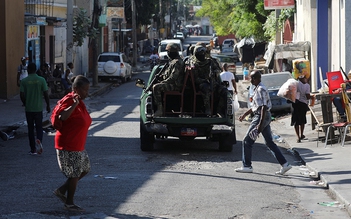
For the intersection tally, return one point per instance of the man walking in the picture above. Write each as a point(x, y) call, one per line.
point(32, 89)
point(261, 105)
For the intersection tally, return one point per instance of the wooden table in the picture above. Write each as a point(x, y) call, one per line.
point(324, 113)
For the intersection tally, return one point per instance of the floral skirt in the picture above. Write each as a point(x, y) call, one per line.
point(73, 163)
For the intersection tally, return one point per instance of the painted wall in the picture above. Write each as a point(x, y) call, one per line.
point(11, 45)
point(306, 30)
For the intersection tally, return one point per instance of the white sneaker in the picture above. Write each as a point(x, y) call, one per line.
point(285, 168)
point(38, 146)
point(244, 170)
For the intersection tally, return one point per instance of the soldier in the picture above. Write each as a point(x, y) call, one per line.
point(207, 79)
point(171, 79)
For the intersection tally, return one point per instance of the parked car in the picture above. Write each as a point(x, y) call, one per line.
point(231, 54)
point(162, 53)
point(231, 61)
point(273, 82)
point(228, 43)
point(179, 35)
point(114, 66)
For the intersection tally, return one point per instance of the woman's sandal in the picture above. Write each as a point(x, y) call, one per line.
point(61, 196)
point(73, 208)
point(298, 140)
point(302, 137)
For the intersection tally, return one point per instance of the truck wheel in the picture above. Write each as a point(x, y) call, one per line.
point(226, 142)
point(146, 139)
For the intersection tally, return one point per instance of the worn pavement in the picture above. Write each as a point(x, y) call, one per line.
point(328, 167)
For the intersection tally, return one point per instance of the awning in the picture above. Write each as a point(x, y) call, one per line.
point(292, 50)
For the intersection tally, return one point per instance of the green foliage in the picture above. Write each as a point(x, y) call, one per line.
point(245, 18)
point(82, 28)
point(145, 10)
point(273, 24)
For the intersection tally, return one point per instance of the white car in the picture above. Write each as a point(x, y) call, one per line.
point(162, 53)
point(273, 82)
point(179, 35)
point(228, 43)
point(114, 65)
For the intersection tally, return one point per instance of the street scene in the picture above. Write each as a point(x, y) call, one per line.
point(175, 109)
point(178, 179)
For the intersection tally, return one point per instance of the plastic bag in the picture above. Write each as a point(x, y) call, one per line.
point(236, 105)
point(289, 90)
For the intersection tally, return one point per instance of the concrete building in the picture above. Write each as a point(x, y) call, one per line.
point(326, 25)
point(11, 30)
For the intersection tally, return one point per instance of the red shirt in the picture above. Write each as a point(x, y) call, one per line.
point(73, 134)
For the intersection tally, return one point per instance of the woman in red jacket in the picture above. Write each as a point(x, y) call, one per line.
point(70, 141)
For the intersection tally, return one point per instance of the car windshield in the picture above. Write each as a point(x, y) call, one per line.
point(109, 58)
point(274, 80)
point(225, 59)
point(228, 41)
point(163, 47)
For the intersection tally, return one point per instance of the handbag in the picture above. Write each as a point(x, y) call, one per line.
point(236, 105)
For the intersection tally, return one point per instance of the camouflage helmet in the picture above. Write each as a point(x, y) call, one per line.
point(172, 47)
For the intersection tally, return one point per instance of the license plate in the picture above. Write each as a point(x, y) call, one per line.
point(188, 132)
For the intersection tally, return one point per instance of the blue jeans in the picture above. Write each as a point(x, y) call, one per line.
point(338, 104)
point(34, 118)
point(267, 135)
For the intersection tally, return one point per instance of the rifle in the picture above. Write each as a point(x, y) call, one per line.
point(156, 77)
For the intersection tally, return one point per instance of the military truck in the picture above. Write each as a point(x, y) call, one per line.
point(183, 115)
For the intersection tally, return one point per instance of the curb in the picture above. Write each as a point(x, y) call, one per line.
point(320, 176)
point(101, 89)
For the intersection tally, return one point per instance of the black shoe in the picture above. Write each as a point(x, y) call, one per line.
point(4, 136)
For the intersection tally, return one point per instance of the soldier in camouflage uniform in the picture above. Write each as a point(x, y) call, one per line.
point(171, 79)
point(207, 79)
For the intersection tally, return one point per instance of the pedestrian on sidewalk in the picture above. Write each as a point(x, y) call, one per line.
point(300, 107)
point(32, 90)
point(261, 105)
point(70, 141)
point(22, 71)
point(229, 77)
point(66, 78)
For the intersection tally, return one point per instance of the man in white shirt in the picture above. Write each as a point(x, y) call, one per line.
point(260, 124)
point(229, 77)
point(22, 71)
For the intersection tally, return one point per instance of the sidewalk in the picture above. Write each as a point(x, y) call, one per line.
point(331, 164)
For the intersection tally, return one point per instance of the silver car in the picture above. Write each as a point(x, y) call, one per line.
point(114, 65)
point(273, 82)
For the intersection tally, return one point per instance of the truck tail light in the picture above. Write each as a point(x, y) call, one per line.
point(148, 107)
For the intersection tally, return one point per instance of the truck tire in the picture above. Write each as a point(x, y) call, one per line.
point(226, 142)
point(146, 139)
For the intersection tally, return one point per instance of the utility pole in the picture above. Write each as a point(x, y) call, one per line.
point(69, 33)
point(135, 47)
point(93, 41)
point(161, 19)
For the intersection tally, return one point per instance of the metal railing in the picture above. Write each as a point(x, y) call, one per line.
point(39, 7)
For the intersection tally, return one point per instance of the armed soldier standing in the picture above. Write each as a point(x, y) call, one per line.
point(207, 80)
point(171, 79)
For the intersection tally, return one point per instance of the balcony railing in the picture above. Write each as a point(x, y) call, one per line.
point(39, 7)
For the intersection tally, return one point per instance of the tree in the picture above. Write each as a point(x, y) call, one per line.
point(145, 11)
point(246, 17)
point(82, 28)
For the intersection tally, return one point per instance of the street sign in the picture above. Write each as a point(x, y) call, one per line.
point(278, 4)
